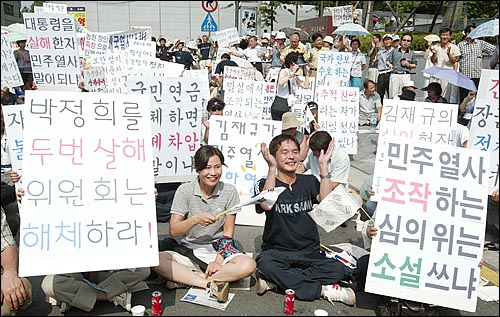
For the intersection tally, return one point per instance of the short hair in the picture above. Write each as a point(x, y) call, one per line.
point(20, 41)
point(445, 30)
point(225, 56)
point(291, 58)
point(203, 155)
point(436, 87)
point(377, 36)
point(366, 82)
point(407, 34)
point(315, 36)
point(320, 141)
point(275, 143)
point(356, 40)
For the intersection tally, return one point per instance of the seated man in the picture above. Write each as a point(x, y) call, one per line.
point(16, 291)
point(369, 103)
point(291, 257)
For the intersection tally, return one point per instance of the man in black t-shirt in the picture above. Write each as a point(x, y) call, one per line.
point(180, 56)
point(291, 257)
point(204, 52)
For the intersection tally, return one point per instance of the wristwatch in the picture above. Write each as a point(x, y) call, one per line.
point(327, 176)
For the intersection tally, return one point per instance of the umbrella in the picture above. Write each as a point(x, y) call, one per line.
point(451, 76)
point(486, 29)
point(303, 35)
point(351, 29)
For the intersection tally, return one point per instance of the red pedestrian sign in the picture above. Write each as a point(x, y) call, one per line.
point(210, 6)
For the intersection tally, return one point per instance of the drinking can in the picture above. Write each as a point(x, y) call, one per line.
point(289, 301)
point(156, 309)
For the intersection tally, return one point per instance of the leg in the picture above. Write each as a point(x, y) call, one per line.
point(177, 272)
point(117, 282)
point(235, 269)
point(71, 289)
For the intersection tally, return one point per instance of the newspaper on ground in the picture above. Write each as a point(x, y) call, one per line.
point(200, 296)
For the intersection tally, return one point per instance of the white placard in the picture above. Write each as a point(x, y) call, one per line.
point(89, 187)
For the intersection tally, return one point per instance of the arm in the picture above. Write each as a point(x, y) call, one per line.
point(180, 226)
point(205, 122)
point(326, 185)
point(271, 172)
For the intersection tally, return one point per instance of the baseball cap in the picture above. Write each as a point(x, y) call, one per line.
point(395, 37)
point(289, 120)
point(387, 35)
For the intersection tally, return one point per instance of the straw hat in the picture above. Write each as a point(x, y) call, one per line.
point(432, 38)
point(289, 120)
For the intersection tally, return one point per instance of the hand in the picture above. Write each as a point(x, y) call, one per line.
point(325, 156)
point(13, 291)
point(205, 219)
point(495, 195)
point(212, 268)
point(20, 194)
point(271, 161)
point(205, 122)
point(156, 193)
point(371, 231)
point(14, 176)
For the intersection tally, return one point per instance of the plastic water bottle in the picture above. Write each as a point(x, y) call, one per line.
point(373, 124)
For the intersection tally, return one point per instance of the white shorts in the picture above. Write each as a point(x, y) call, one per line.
point(206, 254)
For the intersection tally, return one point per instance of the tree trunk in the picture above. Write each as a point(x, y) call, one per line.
point(436, 13)
point(368, 17)
point(453, 14)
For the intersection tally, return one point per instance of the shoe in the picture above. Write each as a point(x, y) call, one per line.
point(335, 293)
point(64, 307)
point(219, 290)
point(124, 300)
point(263, 285)
point(175, 285)
point(492, 246)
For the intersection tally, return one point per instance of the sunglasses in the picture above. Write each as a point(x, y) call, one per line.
point(217, 107)
point(405, 40)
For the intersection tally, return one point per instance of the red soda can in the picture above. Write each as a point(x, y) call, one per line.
point(289, 301)
point(156, 309)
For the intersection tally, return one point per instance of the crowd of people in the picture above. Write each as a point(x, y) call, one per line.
point(291, 256)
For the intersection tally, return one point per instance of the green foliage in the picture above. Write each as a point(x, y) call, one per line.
point(31, 9)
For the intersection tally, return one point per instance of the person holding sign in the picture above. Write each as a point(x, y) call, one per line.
point(83, 290)
point(195, 224)
point(291, 257)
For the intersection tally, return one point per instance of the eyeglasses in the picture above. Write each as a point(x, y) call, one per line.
point(406, 40)
point(217, 107)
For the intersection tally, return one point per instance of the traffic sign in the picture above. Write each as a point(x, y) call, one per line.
point(209, 24)
point(210, 6)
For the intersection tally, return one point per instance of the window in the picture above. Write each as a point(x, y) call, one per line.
point(8, 9)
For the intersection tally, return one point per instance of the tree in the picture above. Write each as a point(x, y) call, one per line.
point(31, 9)
point(268, 10)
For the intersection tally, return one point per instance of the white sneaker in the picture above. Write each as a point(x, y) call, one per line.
point(335, 293)
point(263, 285)
point(124, 300)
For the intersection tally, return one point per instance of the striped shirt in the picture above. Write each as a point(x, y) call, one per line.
point(7, 238)
point(471, 59)
point(188, 202)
